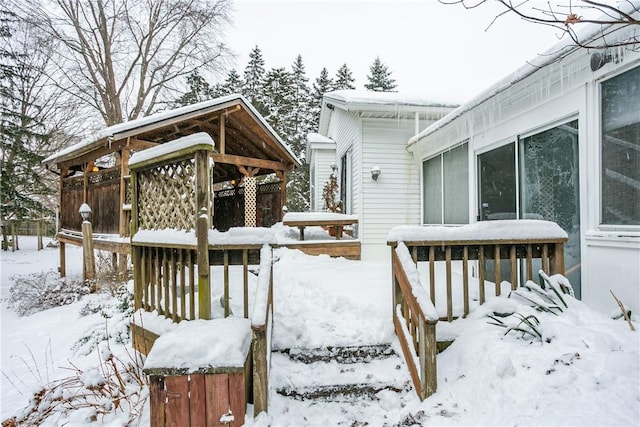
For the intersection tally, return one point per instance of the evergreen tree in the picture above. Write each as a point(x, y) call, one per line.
point(254, 76)
point(303, 119)
point(25, 138)
point(344, 79)
point(279, 95)
point(232, 84)
point(322, 85)
point(277, 92)
point(199, 90)
point(380, 78)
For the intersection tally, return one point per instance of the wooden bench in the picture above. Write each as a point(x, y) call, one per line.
point(323, 219)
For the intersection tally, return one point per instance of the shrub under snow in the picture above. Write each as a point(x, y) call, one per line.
point(41, 291)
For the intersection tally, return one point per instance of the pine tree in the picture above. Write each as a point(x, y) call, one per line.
point(380, 78)
point(24, 136)
point(279, 96)
point(199, 90)
point(232, 84)
point(254, 76)
point(322, 85)
point(277, 93)
point(301, 118)
point(344, 79)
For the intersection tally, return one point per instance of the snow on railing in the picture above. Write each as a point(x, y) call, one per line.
point(491, 249)
point(261, 325)
point(415, 320)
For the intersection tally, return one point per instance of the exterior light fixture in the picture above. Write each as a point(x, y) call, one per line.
point(375, 172)
point(85, 212)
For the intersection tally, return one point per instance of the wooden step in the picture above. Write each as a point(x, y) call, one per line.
point(338, 374)
point(340, 393)
point(346, 355)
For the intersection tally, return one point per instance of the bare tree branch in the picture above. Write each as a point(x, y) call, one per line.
point(120, 56)
point(569, 14)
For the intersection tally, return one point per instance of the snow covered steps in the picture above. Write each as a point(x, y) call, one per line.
point(338, 374)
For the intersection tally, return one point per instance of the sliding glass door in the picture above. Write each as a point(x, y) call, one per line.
point(546, 186)
point(550, 189)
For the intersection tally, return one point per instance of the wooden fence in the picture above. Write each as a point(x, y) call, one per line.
point(101, 191)
point(505, 257)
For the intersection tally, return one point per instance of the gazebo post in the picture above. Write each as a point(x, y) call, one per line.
point(204, 212)
point(89, 270)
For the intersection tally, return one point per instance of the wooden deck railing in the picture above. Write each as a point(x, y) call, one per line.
point(167, 278)
point(261, 322)
point(414, 319)
point(483, 245)
point(488, 252)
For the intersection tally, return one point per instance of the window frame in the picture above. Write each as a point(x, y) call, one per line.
point(440, 155)
point(635, 228)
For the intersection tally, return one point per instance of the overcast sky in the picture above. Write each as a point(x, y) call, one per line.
point(441, 51)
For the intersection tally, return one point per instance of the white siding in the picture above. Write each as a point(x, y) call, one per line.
point(561, 90)
point(393, 199)
point(346, 131)
point(320, 169)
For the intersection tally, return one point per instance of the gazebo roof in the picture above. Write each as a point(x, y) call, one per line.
point(246, 135)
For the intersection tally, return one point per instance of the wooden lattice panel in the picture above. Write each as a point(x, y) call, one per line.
point(249, 201)
point(166, 196)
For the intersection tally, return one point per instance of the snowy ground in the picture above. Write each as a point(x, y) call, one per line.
point(585, 370)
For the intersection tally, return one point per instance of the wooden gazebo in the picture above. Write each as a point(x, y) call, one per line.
point(247, 150)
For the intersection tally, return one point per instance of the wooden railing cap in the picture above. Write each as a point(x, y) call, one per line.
point(484, 232)
point(172, 150)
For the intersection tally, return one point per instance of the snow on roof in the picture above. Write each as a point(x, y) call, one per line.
point(551, 55)
point(362, 98)
point(109, 132)
point(512, 229)
point(196, 139)
point(313, 137)
point(201, 345)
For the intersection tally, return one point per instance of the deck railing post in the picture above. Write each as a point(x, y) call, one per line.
point(204, 285)
point(431, 352)
point(260, 372)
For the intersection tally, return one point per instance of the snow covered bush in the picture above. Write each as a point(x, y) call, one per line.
point(41, 291)
point(117, 313)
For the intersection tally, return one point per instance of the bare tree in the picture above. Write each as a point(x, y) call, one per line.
point(121, 57)
point(609, 20)
point(35, 119)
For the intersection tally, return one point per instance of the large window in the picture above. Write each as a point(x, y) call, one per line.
point(620, 191)
point(537, 178)
point(446, 187)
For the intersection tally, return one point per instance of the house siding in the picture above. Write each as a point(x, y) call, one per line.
point(559, 92)
point(346, 131)
point(394, 199)
point(320, 170)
